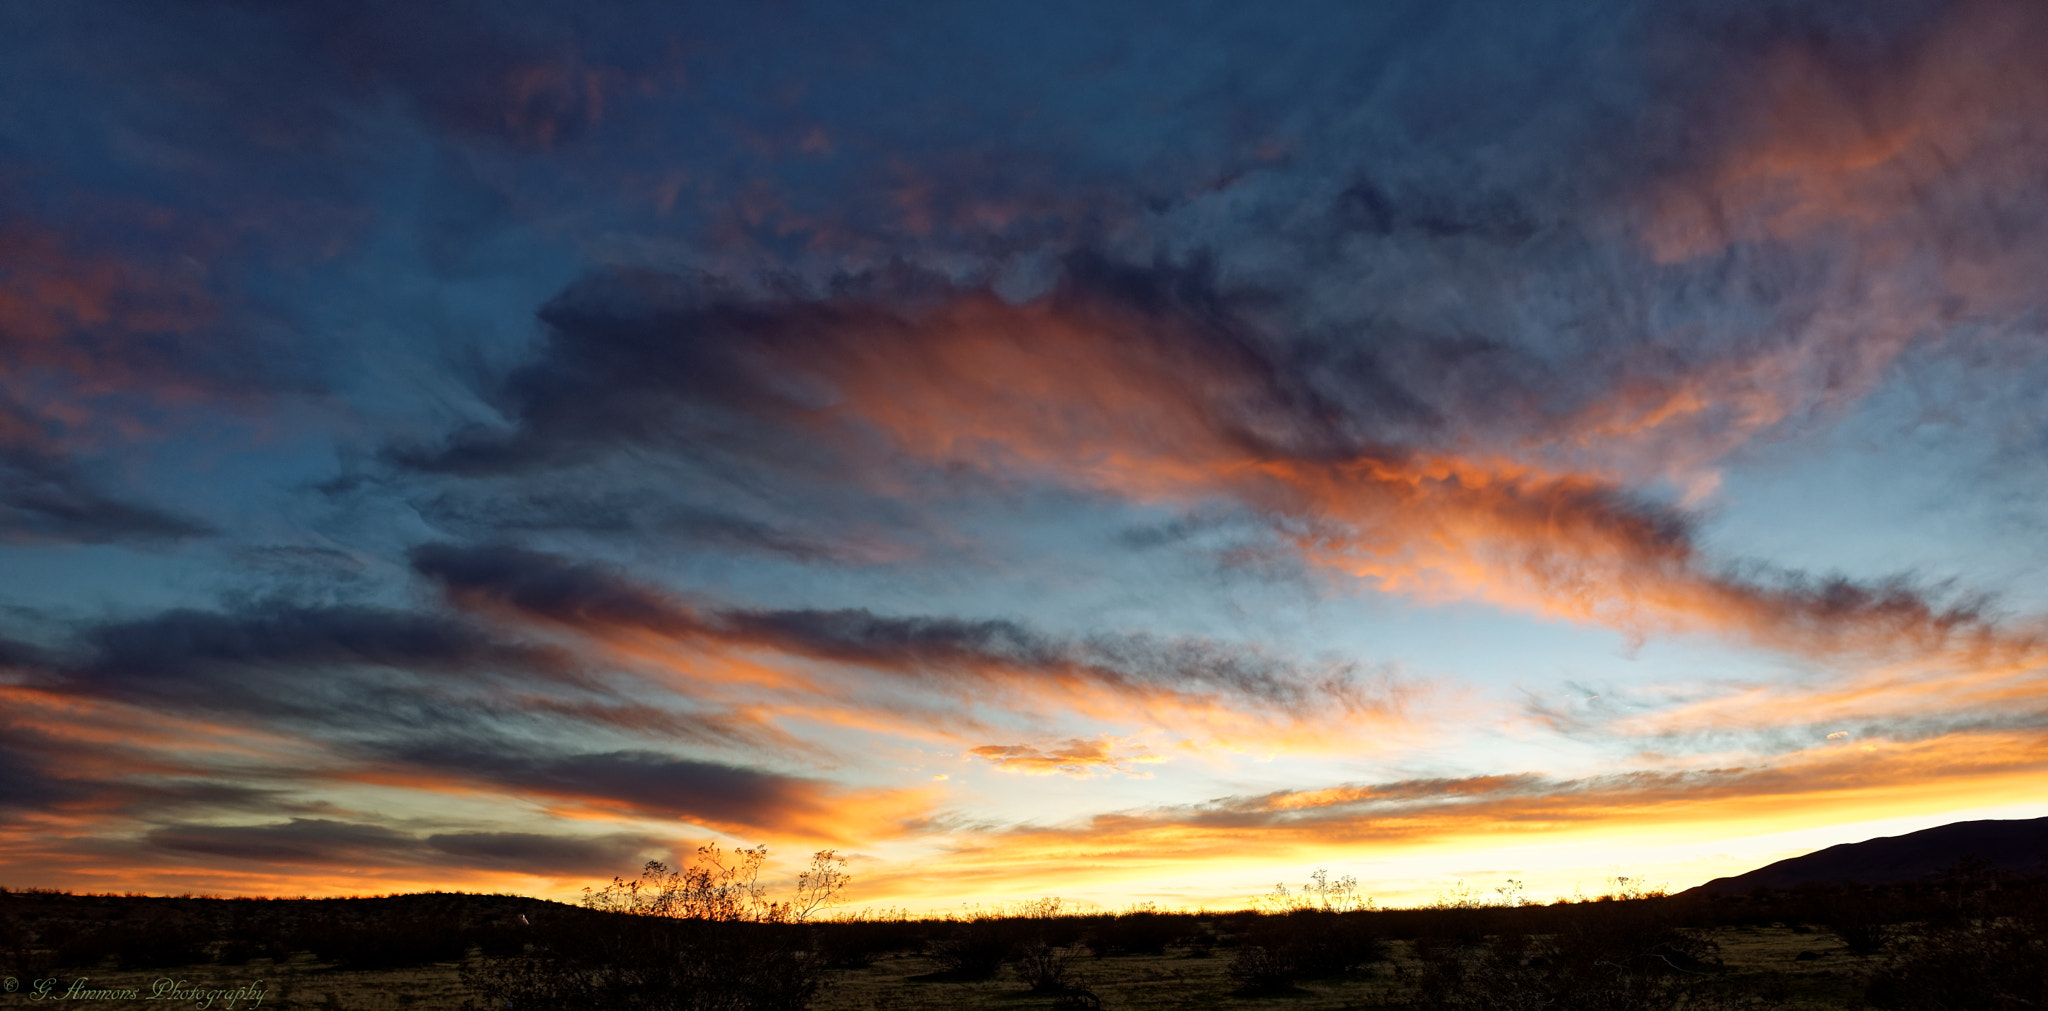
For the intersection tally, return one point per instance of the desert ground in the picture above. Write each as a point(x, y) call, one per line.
point(1764, 960)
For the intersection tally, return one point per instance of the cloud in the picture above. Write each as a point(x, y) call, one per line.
point(334, 691)
point(29, 782)
point(1155, 386)
point(315, 841)
point(940, 650)
point(47, 495)
point(1076, 758)
point(1223, 850)
point(269, 708)
point(279, 659)
point(497, 513)
point(645, 783)
point(48, 499)
point(539, 853)
point(71, 759)
point(1388, 820)
point(105, 324)
point(328, 843)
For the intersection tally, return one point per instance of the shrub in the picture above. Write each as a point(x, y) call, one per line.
point(700, 938)
point(1258, 969)
point(1989, 962)
point(1304, 944)
point(158, 945)
point(18, 945)
point(1043, 921)
point(154, 944)
point(855, 942)
point(1320, 893)
point(1860, 922)
point(501, 940)
point(1043, 967)
point(653, 963)
point(1624, 954)
point(386, 943)
point(1077, 1000)
point(974, 948)
point(1138, 932)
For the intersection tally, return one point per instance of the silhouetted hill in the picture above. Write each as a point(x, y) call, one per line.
point(2019, 846)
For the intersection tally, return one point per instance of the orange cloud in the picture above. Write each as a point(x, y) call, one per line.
point(1894, 186)
point(1494, 819)
point(1084, 398)
point(810, 664)
point(1076, 757)
point(1831, 143)
point(61, 306)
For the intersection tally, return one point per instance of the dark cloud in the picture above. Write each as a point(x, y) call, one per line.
point(375, 689)
point(322, 842)
point(46, 497)
point(45, 767)
point(281, 656)
point(537, 853)
point(359, 681)
point(27, 782)
point(645, 783)
point(547, 586)
point(595, 599)
point(953, 647)
point(486, 513)
point(679, 364)
point(16, 655)
point(308, 841)
point(673, 374)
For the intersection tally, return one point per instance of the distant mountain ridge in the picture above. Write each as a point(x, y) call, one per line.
point(2019, 846)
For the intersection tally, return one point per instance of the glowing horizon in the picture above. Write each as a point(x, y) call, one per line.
point(1033, 454)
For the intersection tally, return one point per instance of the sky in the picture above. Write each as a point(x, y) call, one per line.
point(1049, 449)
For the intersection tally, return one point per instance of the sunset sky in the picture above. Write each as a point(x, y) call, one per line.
point(1133, 453)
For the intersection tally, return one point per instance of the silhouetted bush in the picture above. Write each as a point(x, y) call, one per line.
point(235, 951)
point(21, 948)
point(1307, 943)
point(1043, 967)
point(1077, 1000)
point(158, 945)
point(500, 939)
point(386, 944)
point(73, 946)
point(1618, 955)
point(857, 942)
point(1138, 932)
point(1043, 919)
point(653, 963)
point(699, 938)
point(975, 948)
point(1862, 922)
point(1043, 946)
point(1258, 969)
point(1990, 952)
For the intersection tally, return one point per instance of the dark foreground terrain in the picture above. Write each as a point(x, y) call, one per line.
point(1976, 937)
